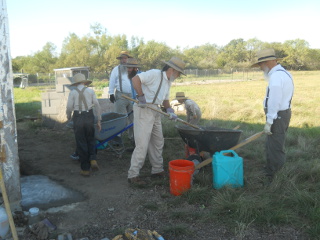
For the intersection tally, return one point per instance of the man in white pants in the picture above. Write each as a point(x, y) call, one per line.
point(153, 89)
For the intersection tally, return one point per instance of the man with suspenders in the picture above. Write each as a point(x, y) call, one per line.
point(81, 102)
point(153, 89)
point(119, 85)
point(277, 106)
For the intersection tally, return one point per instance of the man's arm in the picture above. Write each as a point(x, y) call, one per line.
point(137, 85)
point(166, 104)
point(112, 82)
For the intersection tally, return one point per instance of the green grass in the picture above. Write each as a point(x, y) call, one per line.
point(292, 199)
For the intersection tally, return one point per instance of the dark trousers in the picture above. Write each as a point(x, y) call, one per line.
point(275, 149)
point(83, 124)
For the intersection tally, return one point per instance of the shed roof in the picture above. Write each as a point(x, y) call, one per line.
point(71, 68)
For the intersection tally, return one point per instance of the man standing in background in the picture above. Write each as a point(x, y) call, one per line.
point(119, 85)
point(277, 106)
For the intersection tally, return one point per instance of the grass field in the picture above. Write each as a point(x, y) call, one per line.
point(293, 197)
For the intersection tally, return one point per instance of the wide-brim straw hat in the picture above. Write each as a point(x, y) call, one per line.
point(177, 64)
point(132, 62)
point(180, 96)
point(124, 53)
point(265, 55)
point(80, 78)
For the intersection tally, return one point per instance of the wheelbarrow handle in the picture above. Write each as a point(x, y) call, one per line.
point(159, 111)
point(244, 142)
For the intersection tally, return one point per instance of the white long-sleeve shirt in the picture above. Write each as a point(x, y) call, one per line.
point(90, 98)
point(114, 83)
point(280, 89)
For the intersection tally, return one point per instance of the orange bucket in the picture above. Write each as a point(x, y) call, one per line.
point(189, 151)
point(180, 172)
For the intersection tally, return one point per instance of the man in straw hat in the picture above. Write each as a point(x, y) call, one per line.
point(153, 89)
point(193, 110)
point(277, 106)
point(81, 102)
point(119, 85)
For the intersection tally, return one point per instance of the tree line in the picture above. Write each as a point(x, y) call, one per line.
point(98, 50)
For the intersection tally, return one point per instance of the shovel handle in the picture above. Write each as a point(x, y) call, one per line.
point(7, 206)
point(244, 142)
point(159, 111)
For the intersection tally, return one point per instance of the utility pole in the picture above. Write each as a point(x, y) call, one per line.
point(9, 160)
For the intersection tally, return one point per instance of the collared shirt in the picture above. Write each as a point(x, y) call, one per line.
point(191, 107)
point(150, 81)
point(280, 92)
point(114, 83)
point(90, 98)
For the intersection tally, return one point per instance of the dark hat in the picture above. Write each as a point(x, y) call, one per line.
point(132, 62)
point(180, 96)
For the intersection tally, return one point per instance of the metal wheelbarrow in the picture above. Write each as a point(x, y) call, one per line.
point(112, 125)
point(209, 139)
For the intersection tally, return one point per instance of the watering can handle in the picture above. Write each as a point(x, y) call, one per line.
point(244, 142)
point(159, 111)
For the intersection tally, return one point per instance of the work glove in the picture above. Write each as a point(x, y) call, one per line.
point(142, 101)
point(267, 129)
point(172, 115)
point(112, 98)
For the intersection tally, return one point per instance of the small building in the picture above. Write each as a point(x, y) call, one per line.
point(53, 102)
point(64, 77)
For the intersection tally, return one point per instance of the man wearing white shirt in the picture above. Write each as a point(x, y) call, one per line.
point(153, 89)
point(277, 106)
point(119, 85)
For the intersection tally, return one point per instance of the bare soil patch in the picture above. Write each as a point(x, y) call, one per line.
point(110, 204)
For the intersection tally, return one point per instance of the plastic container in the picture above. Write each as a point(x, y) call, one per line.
point(180, 172)
point(34, 215)
point(4, 223)
point(189, 150)
point(227, 170)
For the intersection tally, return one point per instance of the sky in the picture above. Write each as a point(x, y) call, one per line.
point(177, 23)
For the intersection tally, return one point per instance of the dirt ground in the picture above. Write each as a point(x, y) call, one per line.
point(110, 204)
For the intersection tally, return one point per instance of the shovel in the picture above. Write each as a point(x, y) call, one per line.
point(166, 114)
point(244, 142)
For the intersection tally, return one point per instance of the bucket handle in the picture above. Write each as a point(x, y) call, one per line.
point(225, 152)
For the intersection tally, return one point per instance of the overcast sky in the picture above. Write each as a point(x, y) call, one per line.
point(183, 23)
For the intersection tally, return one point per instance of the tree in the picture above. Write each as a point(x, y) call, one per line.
point(152, 54)
point(75, 52)
point(297, 54)
point(43, 61)
point(252, 46)
point(234, 53)
point(203, 57)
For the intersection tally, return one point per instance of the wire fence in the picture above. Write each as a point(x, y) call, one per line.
point(48, 79)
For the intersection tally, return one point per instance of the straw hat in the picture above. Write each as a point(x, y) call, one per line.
point(177, 64)
point(132, 62)
point(124, 53)
point(180, 96)
point(265, 55)
point(80, 78)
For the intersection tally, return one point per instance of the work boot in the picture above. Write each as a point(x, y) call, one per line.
point(94, 165)
point(136, 181)
point(85, 173)
point(159, 175)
